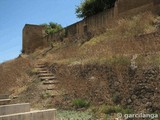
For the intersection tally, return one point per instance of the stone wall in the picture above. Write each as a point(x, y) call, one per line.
point(125, 5)
point(32, 38)
point(86, 28)
point(96, 24)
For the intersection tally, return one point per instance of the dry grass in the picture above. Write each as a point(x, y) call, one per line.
point(13, 76)
point(135, 25)
point(118, 41)
point(114, 47)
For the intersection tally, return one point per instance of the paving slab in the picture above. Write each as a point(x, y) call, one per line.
point(14, 108)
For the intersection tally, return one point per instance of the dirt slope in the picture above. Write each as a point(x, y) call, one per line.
point(13, 75)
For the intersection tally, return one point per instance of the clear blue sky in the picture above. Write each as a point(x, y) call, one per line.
point(14, 14)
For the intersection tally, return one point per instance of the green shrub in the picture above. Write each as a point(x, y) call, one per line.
point(107, 110)
point(91, 7)
point(52, 27)
point(114, 109)
point(122, 60)
point(32, 72)
point(80, 103)
point(45, 95)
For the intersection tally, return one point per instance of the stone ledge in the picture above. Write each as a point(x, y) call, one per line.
point(49, 114)
point(14, 108)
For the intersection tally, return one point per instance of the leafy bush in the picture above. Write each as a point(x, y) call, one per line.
point(52, 27)
point(92, 7)
point(45, 95)
point(122, 60)
point(116, 109)
point(80, 103)
point(32, 71)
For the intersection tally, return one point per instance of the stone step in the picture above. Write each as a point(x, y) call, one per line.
point(43, 71)
point(52, 88)
point(49, 114)
point(46, 75)
point(54, 93)
point(40, 66)
point(14, 108)
point(48, 78)
point(48, 86)
point(4, 101)
point(51, 82)
point(4, 96)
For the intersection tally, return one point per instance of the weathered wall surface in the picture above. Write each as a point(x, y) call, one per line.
point(14, 108)
point(98, 23)
point(32, 38)
point(87, 28)
point(125, 5)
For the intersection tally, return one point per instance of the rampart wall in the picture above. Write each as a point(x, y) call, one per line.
point(125, 5)
point(96, 24)
point(32, 38)
point(88, 27)
point(85, 28)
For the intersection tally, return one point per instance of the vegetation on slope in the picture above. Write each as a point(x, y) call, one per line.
point(114, 45)
point(13, 76)
point(91, 7)
point(52, 28)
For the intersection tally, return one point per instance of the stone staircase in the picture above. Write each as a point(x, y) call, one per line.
point(23, 111)
point(49, 80)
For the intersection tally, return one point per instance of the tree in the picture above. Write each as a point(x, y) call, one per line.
point(52, 27)
point(92, 7)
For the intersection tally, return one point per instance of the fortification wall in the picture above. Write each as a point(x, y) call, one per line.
point(98, 23)
point(157, 6)
point(129, 8)
point(32, 38)
point(143, 8)
point(125, 5)
point(87, 28)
